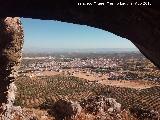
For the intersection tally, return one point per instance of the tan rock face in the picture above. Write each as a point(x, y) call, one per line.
point(11, 42)
point(68, 110)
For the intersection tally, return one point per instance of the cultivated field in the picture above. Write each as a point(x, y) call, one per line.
point(33, 93)
point(103, 79)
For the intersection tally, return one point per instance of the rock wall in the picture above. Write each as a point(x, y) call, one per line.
point(11, 41)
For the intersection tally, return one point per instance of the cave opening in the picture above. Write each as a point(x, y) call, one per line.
point(74, 74)
point(48, 74)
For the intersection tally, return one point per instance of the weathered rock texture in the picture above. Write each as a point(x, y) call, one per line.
point(68, 110)
point(102, 107)
point(101, 104)
point(11, 41)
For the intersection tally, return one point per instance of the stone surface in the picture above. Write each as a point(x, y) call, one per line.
point(102, 107)
point(101, 104)
point(11, 41)
point(68, 110)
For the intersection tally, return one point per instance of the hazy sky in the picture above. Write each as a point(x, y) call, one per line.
point(54, 34)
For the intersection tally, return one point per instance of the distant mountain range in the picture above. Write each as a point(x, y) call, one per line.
point(85, 50)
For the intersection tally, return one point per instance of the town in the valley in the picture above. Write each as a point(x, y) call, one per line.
point(95, 85)
point(116, 69)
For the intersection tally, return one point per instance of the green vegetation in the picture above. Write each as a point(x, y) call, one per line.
point(34, 92)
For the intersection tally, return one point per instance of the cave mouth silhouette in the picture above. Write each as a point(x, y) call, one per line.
point(139, 24)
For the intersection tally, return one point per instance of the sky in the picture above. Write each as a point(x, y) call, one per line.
point(55, 34)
